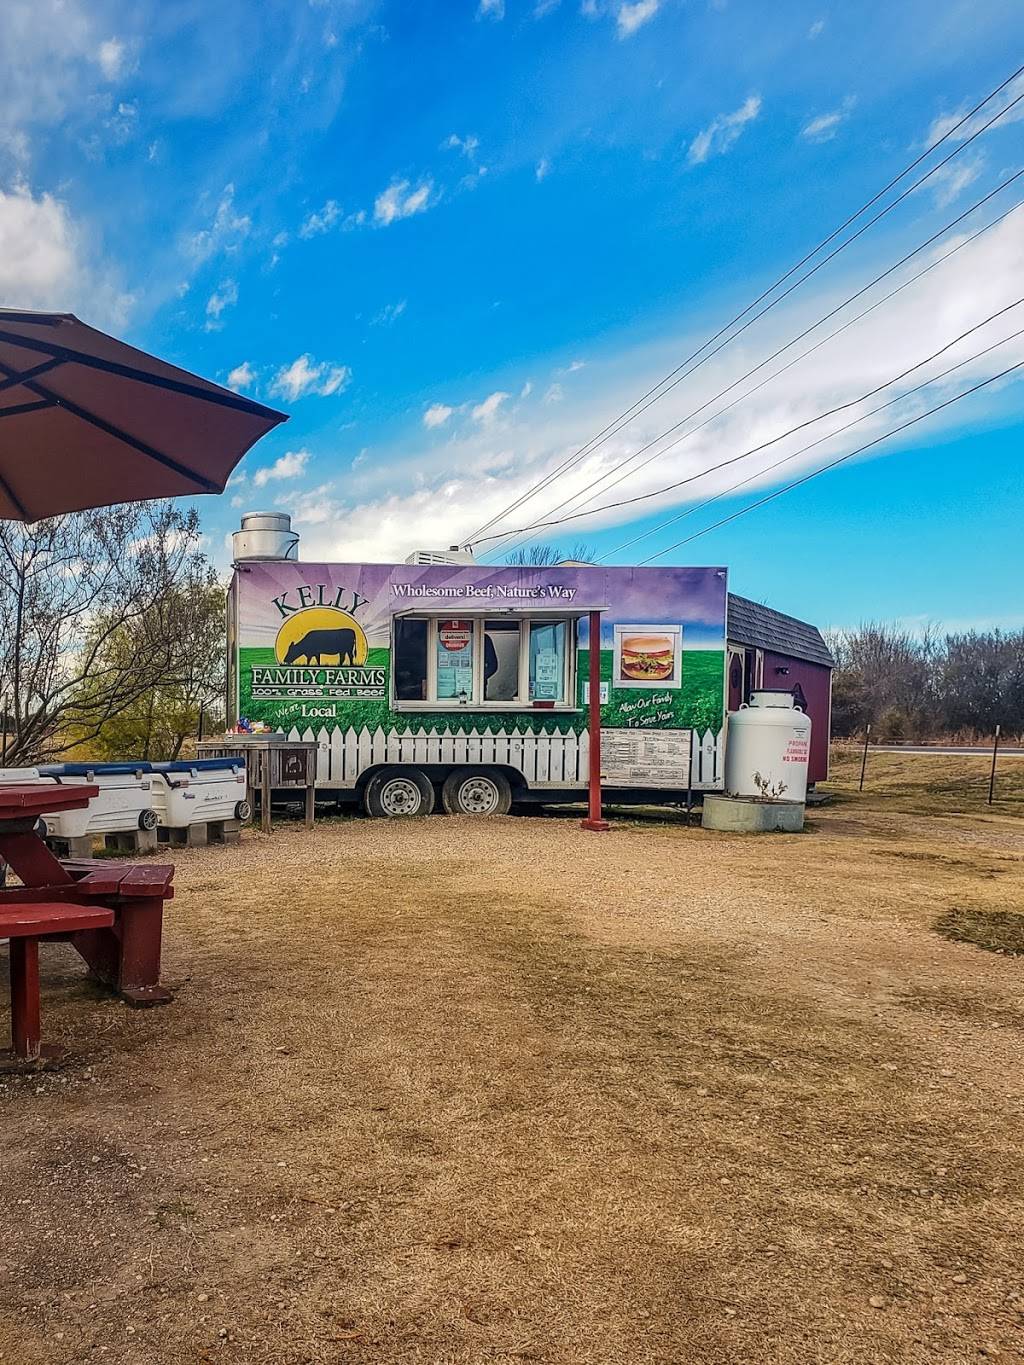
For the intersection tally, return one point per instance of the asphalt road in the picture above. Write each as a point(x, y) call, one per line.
point(945, 750)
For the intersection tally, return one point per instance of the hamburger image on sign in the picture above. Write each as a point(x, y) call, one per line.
point(648, 658)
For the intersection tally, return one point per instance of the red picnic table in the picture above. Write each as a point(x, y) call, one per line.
point(111, 913)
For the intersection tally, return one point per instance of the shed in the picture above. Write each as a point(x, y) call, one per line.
point(767, 648)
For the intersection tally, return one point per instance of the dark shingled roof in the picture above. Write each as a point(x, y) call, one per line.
point(752, 624)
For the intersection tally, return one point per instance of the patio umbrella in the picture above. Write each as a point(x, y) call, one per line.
point(86, 421)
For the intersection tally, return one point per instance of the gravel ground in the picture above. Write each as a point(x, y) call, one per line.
point(471, 1091)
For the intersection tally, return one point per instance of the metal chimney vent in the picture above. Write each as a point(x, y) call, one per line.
point(265, 535)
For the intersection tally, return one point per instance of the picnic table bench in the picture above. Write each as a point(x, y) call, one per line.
point(112, 914)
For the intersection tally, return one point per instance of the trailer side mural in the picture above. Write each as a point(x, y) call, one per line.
point(478, 665)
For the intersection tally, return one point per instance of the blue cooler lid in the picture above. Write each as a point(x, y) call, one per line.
point(199, 765)
point(98, 769)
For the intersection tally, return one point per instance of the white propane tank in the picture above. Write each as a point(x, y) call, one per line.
point(768, 740)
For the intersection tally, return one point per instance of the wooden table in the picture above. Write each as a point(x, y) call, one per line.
point(111, 913)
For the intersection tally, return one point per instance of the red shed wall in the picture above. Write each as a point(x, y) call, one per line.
point(815, 679)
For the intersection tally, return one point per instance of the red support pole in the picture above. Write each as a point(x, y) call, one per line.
point(594, 821)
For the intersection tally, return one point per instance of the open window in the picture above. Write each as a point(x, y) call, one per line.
point(502, 662)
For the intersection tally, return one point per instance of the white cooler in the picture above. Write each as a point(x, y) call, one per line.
point(9, 775)
point(125, 799)
point(194, 791)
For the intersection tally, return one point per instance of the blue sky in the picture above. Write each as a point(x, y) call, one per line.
point(453, 240)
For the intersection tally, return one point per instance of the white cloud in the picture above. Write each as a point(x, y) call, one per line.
point(336, 378)
point(526, 390)
point(554, 394)
point(418, 493)
point(631, 17)
point(437, 414)
point(487, 411)
point(468, 145)
point(225, 232)
point(945, 122)
point(111, 57)
point(543, 169)
point(722, 132)
point(45, 261)
point(491, 9)
point(305, 376)
point(543, 7)
point(816, 29)
point(242, 377)
point(224, 296)
point(825, 126)
point(399, 200)
point(573, 366)
point(390, 313)
point(289, 466)
point(949, 183)
point(318, 223)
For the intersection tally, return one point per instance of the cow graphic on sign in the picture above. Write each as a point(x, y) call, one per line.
point(321, 635)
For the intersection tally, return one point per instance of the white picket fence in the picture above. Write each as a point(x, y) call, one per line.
point(545, 760)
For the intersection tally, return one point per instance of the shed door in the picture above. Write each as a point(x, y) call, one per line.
point(736, 679)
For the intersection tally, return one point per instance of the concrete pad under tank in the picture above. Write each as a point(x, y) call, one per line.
point(746, 815)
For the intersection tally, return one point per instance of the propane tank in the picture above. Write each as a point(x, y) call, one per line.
point(767, 748)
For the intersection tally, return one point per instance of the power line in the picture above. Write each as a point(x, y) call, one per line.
point(652, 395)
point(841, 460)
point(590, 494)
point(847, 426)
point(807, 331)
point(801, 426)
point(588, 510)
point(799, 337)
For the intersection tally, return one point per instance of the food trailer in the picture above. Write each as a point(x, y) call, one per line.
point(468, 682)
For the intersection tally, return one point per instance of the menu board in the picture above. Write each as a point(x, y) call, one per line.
point(645, 758)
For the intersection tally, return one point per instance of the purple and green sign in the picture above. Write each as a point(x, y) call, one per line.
point(475, 649)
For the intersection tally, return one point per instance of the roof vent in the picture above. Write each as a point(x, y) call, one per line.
point(453, 555)
point(265, 535)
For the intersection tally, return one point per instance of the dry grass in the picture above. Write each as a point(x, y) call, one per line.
point(460, 1091)
point(929, 784)
point(999, 931)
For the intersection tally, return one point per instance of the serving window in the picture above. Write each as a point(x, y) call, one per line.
point(487, 663)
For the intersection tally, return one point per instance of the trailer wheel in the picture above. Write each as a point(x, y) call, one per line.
point(476, 791)
point(243, 811)
point(396, 792)
point(147, 819)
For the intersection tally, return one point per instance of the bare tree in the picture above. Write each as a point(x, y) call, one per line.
point(67, 586)
point(916, 686)
point(542, 556)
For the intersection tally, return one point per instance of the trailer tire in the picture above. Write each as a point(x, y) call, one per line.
point(147, 819)
point(476, 791)
point(243, 811)
point(398, 793)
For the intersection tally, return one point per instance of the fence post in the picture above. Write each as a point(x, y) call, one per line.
point(864, 757)
point(992, 774)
